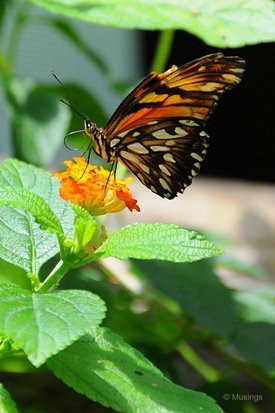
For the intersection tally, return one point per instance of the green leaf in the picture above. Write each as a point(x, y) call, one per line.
point(257, 305)
point(197, 289)
point(104, 368)
point(236, 265)
point(157, 241)
point(85, 227)
point(223, 23)
point(255, 342)
point(28, 201)
point(7, 405)
point(43, 324)
point(22, 242)
point(39, 121)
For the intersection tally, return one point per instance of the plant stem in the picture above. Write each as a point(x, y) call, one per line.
point(54, 277)
point(16, 31)
point(208, 372)
point(250, 371)
point(162, 50)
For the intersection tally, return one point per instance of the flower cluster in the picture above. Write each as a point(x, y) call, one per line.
point(95, 189)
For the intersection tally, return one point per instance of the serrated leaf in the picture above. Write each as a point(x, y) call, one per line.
point(106, 369)
point(43, 324)
point(157, 241)
point(22, 242)
point(223, 23)
point(7, 405)
point(33, 203)
point(39, 121)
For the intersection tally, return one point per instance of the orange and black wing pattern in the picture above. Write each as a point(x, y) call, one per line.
point(158, 130)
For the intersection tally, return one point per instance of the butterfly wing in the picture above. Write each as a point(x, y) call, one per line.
point(157, 131)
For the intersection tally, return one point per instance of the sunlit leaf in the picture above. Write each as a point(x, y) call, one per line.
point(223, 23)
point(22, 242)
point(43, 324)
point(157, 241)
point(104, 368)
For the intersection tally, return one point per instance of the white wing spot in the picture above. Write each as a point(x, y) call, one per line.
point(122, 134)
point(152, 122)
point(164, 184)
point(170, 142)
point(188, 122)
point(129, 156)
point(181, 132)
point(161, 134)
point(164, 169)
point(157, 148)
point(135, 134)
point(193, 172)
point(138, 148)
point(203, 133)
point(145, 168)
point(196, 156)
point(153, 189)
point(141, 178)
point(114, 142)
point(169, 158)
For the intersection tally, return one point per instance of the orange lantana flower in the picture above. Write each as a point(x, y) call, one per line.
point(95, 189)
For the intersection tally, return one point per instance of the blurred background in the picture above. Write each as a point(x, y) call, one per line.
point(233, 198)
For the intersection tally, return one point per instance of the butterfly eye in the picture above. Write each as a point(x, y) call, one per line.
point(89, 127)
point(88, 124)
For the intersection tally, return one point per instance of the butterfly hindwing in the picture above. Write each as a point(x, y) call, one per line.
point(165, 156)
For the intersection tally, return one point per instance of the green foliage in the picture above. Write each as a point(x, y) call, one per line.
point(44, 324)
point(42, 121)
point(162, 301)
point(252, 337)
point(223, 23)
point(41, 203)
point(187, 284)
point(6, 403)
point(157, 241)
point(257, 305)
point(104, 368)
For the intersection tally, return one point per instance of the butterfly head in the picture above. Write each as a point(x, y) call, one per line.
point(98, 140)
point(90, 128)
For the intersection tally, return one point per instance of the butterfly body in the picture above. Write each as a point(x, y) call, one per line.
point(158, 130)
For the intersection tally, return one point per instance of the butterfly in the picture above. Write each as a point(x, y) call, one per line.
point(158, 130)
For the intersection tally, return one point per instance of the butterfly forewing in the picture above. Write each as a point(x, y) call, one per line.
point(158, 130)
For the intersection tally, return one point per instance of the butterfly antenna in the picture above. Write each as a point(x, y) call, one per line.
point(69, 95)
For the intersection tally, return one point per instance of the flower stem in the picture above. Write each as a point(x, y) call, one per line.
point(162, 50)
point(208, 372)
point(54, 277)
